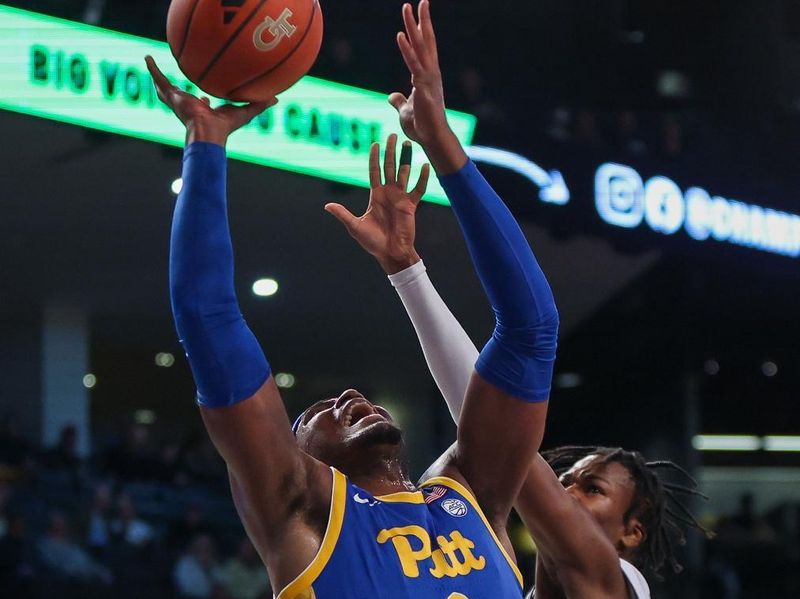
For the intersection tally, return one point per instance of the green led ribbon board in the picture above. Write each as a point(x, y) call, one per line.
point(96, 78)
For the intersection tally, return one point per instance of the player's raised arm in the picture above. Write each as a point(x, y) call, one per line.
point(239, 401)
point(503, 418)
point(569, 540)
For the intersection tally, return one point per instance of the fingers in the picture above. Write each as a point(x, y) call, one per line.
point(412, 29)
point(252, 110)
point(426, 25)
point(420, 34)
point(163, 86)
point(397, 100)
point(374, 166)
point(239, 116)
point(389, 160)
point(409, 56)
point(405, 166)
point(422, 183)
point(343, 215)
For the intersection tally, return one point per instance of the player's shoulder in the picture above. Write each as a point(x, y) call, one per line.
point(446, 466)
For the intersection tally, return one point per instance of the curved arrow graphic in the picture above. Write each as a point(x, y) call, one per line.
point(553, 188)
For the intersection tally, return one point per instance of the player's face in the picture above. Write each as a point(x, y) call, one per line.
point(334, 430)
point(606, 490)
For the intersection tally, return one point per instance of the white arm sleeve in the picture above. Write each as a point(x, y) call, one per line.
point(448, 350)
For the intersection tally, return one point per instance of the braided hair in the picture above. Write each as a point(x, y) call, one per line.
point(657, 503)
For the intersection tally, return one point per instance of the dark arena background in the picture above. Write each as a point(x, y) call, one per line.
point(679, 324)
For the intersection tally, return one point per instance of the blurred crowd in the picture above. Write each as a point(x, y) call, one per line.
point(136, 520)
point(754, 554)
point(146, 519)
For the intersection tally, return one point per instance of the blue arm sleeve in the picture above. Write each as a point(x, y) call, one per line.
point(226, 360)
point(520, 355)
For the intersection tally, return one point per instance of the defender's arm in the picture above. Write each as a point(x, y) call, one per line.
point(567, 537)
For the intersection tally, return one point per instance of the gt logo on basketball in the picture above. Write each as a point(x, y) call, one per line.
point(277, 29)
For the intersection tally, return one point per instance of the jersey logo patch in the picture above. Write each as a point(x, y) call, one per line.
point(455, 507)
point(365, 500)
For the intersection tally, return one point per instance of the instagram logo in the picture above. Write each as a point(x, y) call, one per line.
point(619, 195)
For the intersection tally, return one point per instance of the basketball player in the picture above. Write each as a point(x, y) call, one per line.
point(331, 508)
point(610, 508)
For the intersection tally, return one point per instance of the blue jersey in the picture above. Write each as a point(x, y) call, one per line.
point(434, 543)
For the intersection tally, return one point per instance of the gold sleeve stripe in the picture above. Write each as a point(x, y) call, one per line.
point(300, 587)
point(457, 486)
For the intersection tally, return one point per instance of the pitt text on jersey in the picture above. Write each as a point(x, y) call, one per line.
point(452, 558)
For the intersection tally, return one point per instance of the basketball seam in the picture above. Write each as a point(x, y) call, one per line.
point(186, 31)
point(231, 39)
point(285, 58)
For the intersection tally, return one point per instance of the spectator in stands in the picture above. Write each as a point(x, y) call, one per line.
point(196, 573)
point(127, 527)
point(169, 468)
point(747, 542)
point(193, 522)
point(718, 579)
point(17, 560)
point(64, 455)
point(134, 458)
point(202, 462)
point(67, 560)
point(746, 527)
point(97, 521)
point(243, 575)
point(137, 560)
point(15, 452)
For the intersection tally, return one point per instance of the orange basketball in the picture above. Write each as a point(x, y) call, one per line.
point(244, 50)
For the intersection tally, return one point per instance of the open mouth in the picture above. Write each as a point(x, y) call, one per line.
point(358, 411)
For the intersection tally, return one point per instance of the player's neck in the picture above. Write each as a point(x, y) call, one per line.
point(382, 477)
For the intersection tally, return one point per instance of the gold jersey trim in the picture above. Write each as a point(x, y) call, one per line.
point(402, 497)
point(300, 587)
point(457, 486)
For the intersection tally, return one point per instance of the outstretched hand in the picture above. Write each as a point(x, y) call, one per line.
point(422, 114)
point(202, 122)
point(387, 229)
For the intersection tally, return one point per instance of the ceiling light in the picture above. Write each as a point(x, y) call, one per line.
point(284, 380)
point(726, 442)
point(568, 380)
point(164, 359)
point(265, 287)
point(782, 443)
point(144, 416)
point(711, 367)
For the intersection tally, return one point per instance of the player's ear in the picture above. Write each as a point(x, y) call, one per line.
point(634, 534)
